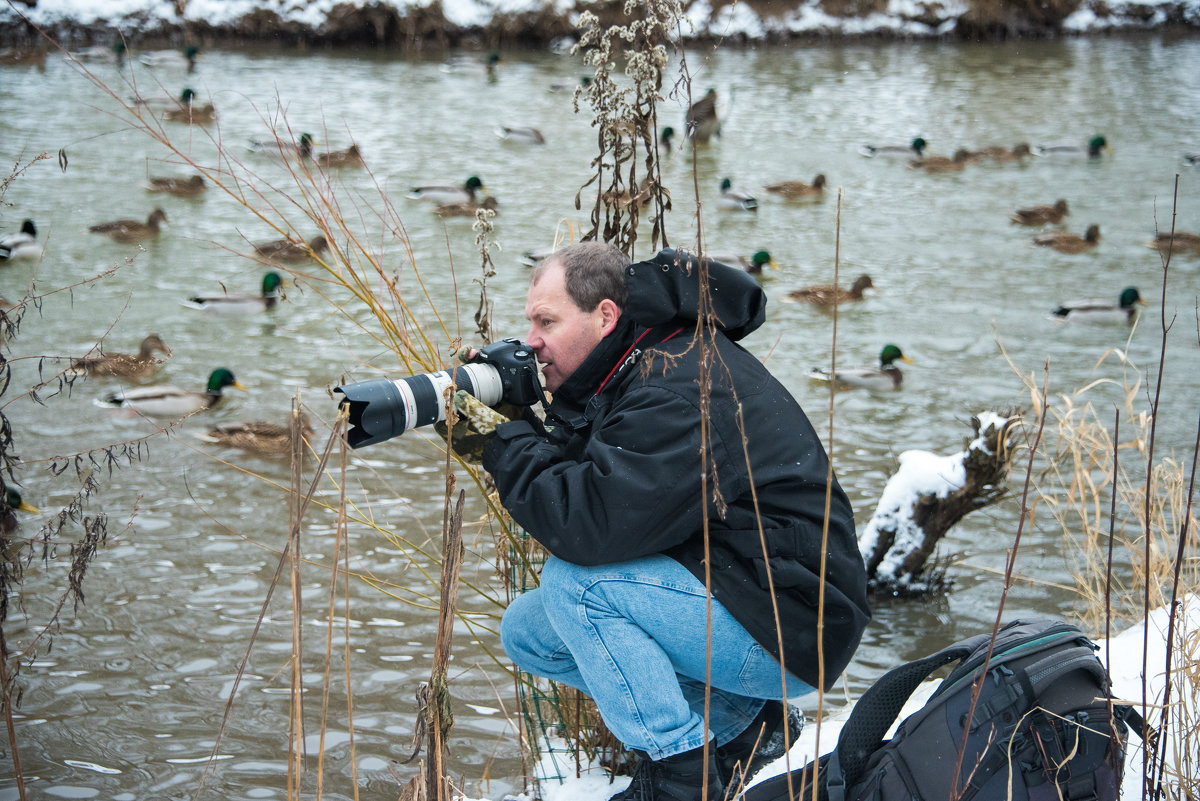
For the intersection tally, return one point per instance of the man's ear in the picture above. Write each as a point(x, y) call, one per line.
point(609, 314)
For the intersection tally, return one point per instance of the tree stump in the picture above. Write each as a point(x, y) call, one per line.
point(925, 497)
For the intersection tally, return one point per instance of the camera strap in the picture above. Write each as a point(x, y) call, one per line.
point(583, 421)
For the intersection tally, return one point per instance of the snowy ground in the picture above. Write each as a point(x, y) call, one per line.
point(1124, 651)
point(733, 20)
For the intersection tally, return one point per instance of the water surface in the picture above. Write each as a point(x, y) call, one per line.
point(128, 702)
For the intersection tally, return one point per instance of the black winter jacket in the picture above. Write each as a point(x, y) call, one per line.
point(618, 474)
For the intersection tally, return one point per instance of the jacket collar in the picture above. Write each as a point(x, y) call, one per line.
point(574, 393)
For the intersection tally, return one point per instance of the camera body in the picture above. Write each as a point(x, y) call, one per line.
point(380, 408)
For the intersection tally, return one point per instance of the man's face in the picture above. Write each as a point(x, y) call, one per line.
point(560, 333)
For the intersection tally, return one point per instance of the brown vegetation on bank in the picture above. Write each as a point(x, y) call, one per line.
point(416, 28)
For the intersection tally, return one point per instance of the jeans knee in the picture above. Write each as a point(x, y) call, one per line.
point(563, 582)
point(517, 626)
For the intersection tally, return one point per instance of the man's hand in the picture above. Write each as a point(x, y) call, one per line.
point(476, 425)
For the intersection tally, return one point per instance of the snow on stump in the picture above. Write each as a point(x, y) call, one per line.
point(927, 495)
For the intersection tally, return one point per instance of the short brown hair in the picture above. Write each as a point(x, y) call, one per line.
point(592, 272)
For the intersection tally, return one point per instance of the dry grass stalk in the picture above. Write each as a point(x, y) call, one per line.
point(1078, 483)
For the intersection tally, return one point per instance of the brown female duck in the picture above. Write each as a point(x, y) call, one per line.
point(830, 295)
point(1040, 215)
point(795, 190)
point(132, 230)
point(1065, 242)
point(125, 365)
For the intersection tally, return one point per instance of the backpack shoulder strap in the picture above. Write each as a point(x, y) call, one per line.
point(877, 710)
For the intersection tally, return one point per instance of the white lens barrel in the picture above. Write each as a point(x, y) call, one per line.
point(421, 396)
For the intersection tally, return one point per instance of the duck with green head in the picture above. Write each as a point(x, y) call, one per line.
point(303, 148)
point(734, 199)
point(13, 503)
point(1095, 147)
point(914, 149)
point(1100, 312)
point(445, 195)
point(232, 303)
point(172, 401)
point(191, 112)
point(758, 261)
point(886, 376)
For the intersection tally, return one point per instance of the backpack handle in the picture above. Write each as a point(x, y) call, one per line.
point(877, 710)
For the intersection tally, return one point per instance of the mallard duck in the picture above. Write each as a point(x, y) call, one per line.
point(794, 190)
point(13, 503)
point(466, 209)
point(1179, 242)
point(99, 54)
point(1101, 311)
point(701, 122)
point(1191, 159)
point(258, 436)
point(955, 163)
point(289, 251)
point(830, 295)
point(732, 199)
point(1001, 153)
point(570, 84)
point(445, 195)
point(666, 140)
point(302, 148)
point(467, 64)
point(17, 56)
point(350, 157)
point(886, 376)
point(23, 244)
point(525, 136)
point(241, 304)
point(125, 365)
point(179, 187)
point(1040, 215)
point(914, 149)
point(170, 401)
point(753, 265)
point(179, 59)
point(132, 230)
point(190, 112)
point(1095, 147)
point(1066, 242)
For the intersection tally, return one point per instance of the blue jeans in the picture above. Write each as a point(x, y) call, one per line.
point(632, 636)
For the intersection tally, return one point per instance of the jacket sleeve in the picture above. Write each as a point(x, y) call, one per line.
point(633, 489)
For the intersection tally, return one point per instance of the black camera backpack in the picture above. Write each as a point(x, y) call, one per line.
point(1043, 729)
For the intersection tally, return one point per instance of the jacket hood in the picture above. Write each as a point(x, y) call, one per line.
point(666, 290)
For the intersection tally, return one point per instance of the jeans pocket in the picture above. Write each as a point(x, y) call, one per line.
point(760, 676)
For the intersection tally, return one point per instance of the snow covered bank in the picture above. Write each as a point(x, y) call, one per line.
point(412, 22)
point(1123, 654)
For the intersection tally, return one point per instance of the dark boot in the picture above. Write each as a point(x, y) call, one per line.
point(675, 778)
point(759, 745)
